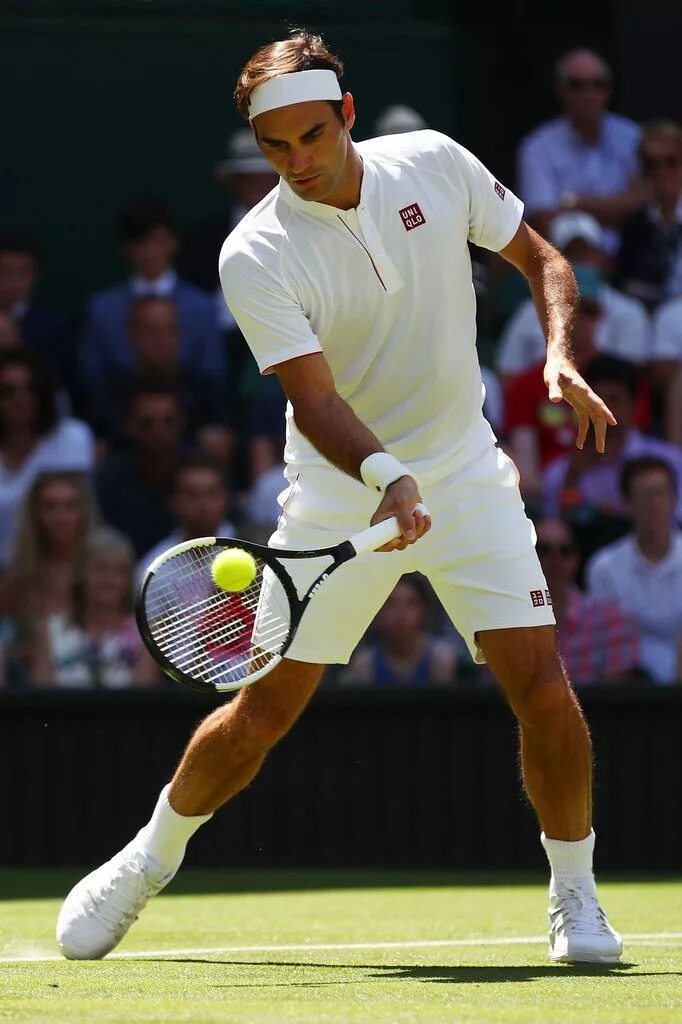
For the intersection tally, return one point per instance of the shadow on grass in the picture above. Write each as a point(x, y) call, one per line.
point(46, 883)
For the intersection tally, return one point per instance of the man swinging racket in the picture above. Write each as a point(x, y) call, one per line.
point(352, 282)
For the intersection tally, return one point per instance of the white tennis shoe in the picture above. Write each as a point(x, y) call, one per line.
point(579, 931)
point(100, 908)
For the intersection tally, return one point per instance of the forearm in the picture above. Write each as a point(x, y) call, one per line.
point(555, 295)
point(333, 428)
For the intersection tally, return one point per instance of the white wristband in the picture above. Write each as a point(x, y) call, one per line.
point(381, 469)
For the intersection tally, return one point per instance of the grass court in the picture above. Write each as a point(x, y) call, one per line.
point(316, 947)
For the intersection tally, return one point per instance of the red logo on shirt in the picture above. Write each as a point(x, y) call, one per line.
point(537, 597)
point(500, 191)
point(412, 217)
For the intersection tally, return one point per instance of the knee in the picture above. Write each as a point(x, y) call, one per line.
point(542, 693)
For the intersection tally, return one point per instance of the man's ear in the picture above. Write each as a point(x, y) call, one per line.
point(348, 110)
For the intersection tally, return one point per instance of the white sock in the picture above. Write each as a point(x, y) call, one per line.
point(167, 833)
point(571, 863)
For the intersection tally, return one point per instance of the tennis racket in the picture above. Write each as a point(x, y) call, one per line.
point(216, 640)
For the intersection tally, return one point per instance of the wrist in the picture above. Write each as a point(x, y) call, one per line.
point(380, 470)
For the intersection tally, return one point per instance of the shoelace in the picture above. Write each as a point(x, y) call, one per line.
point(120, 901)
point(574, 911)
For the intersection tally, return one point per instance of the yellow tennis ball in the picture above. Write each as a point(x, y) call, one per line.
point(233, 569)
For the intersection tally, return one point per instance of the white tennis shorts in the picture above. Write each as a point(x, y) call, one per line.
point(479, 556)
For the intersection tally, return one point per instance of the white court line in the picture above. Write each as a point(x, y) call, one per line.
point(643, 938)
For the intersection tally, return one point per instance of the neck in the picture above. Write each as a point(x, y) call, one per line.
point(654, 547)
point(405, 647)
point(589, 131)
point(347, 196)
point(667, 206)
point(18, 440)
point(98, 619)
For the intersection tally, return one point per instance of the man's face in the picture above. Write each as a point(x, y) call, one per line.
point(200, 501)
point(249, 187)
point(585, 90)
point(582, 252)
point(557, 553)
point(156, 423)
point(308, 146)
point(18, 402)
point(661, 161)
point(652, 502)
point(155, 335)
point(17, 278)
point(152, 255)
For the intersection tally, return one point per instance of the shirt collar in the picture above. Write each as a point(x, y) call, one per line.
point(162, 287)
point(673, 558)
point(655, 213)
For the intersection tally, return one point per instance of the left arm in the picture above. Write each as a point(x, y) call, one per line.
point(555, 296)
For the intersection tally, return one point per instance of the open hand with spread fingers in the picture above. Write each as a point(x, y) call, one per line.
point(564, 382)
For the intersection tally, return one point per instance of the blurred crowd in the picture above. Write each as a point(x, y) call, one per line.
point(144, 421)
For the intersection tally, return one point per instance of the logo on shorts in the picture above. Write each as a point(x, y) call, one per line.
point(537, 597)
point(499, 190)
point(412, 217)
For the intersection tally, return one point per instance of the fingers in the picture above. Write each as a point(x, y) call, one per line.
point(413, 525)
point(583, 427)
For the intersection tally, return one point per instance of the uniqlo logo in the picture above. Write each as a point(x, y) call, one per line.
point(548, 598)
point(500, 191)
point(412, 217)
point(537, 597)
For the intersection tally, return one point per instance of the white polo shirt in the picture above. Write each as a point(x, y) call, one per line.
point(651, 591)
point(384, 291)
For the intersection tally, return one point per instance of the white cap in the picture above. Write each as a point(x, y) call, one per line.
point(243, 156)
point(566, 227)
point(398, 118)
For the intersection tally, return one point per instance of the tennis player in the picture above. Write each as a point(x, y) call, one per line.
point(352, 282)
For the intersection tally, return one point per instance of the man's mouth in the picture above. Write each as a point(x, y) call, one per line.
point(307, 181)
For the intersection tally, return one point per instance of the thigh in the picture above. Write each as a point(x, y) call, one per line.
point(480, 555)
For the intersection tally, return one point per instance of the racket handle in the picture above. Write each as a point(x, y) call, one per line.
point(376, 536)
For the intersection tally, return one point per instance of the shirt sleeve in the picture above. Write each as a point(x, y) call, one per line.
point(494, 211)
point(273, 323)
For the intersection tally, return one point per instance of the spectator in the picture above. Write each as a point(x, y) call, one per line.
point(199, 503)
point(599, 642)
point(150, 242)
point(397, 119)
point(667, 366)
point(262, 503)
point(247, 177)
point(10, 335)
point(98, 645)
point(586, 159)
point(134, 485)
point(44, 329)
point(56, 521)
point(590, 481)
point(649, 262)
point(621, 325)
point(32, 437)
point(154, 334)
point(643, 571)
point(404, 652)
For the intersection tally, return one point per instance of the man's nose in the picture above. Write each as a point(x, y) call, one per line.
point(299, 162)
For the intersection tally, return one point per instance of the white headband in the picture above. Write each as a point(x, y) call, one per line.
point(298, 87)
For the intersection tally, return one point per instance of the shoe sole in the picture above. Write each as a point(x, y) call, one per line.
point(584, 958)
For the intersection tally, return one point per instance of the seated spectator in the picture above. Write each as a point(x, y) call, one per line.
point(32, 437)
point(57, 519)
point(584, 160)
point(643, 571)
point(404, 653)
point(598, 641)
point(150, 242)
point(98, 645)
point(134, 485)
point(42, 328)
point(10, 335)
point(154, 335)
point(666, 371)
point(590, 482)
point(621, 325)
point(199, 503)
point(649, 261)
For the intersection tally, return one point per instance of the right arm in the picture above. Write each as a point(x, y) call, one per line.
point(332, 427)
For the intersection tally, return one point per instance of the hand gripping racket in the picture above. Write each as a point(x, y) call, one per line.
point(212, 639)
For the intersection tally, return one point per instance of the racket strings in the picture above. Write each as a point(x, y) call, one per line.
point(212, 635)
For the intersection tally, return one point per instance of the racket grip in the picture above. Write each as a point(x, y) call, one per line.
point(376, 536)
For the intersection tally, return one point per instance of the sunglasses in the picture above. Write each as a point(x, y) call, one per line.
point(543, 548)
point(652, 163)
point(583, 84)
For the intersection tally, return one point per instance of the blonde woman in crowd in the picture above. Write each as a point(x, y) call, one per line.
point(97, 645)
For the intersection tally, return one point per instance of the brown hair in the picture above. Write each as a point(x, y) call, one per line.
point(667, 131)
point(302, 51)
